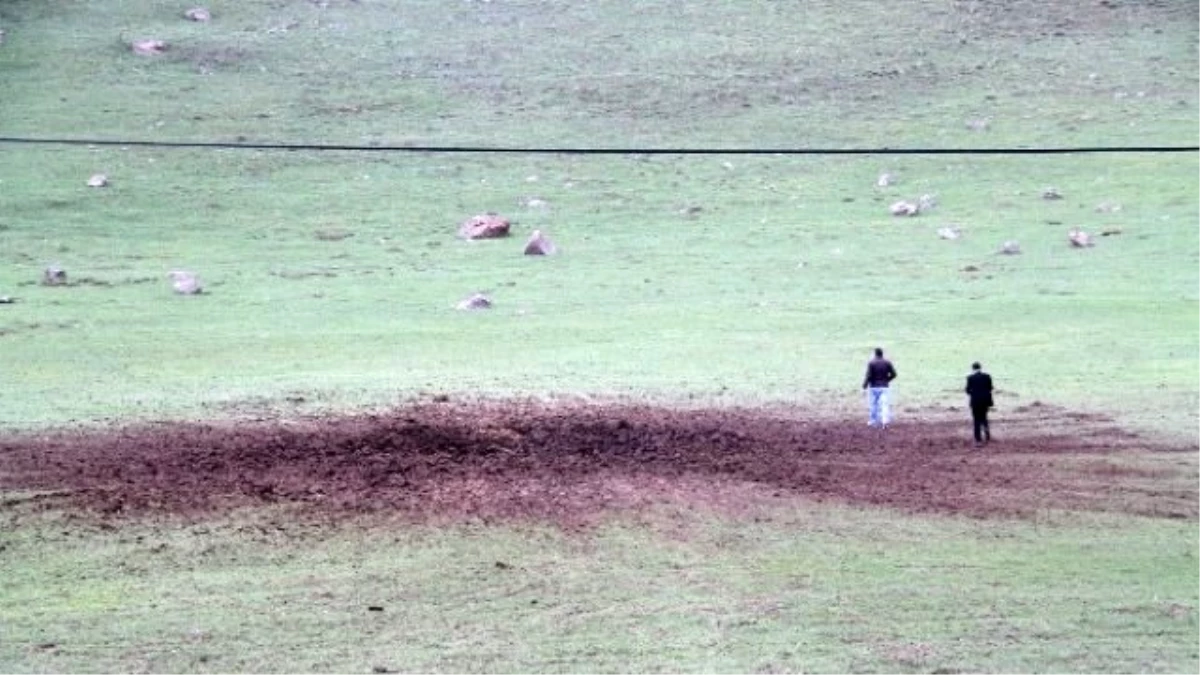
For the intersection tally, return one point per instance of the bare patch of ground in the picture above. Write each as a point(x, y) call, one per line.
point(567, 463)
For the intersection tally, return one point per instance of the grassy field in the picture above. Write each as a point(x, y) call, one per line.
point(740, 279)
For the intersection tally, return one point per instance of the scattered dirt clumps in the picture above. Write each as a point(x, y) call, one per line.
point(566, 463)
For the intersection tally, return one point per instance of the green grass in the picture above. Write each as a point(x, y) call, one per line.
point(843, 591)
point(775, 289)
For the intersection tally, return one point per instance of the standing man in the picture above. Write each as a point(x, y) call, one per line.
point(979, 392)
point(880, 374)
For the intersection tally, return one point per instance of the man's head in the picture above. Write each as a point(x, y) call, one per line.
point(879, 352)
point(975, 366)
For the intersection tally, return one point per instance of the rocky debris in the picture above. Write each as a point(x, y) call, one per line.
point(885, 179)
point(484, 226)
point(185, 283)
point(539, 244)
point(1079, 239)
point(978, 124)
point(1051, 193)
point(148, 47)
point(1108, 207)
point(473, 302)
point(905, 208)
point(54, 276)
point(949, 233)
point(1010, 247)
point(1110, 231)
point(98, 180)
point(199, 14)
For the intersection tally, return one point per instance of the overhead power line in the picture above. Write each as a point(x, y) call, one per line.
point(576, 150)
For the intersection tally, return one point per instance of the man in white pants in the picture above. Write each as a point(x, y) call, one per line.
point(880, 374)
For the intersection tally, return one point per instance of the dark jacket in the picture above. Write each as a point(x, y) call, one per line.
point(979, 388)
point(879, 373)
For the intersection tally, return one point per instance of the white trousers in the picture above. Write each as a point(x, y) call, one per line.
point(877, 406)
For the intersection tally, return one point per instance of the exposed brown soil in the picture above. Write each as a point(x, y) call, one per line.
point(568, 463)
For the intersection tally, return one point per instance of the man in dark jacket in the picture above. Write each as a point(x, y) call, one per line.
point(880, 374)
point(979, 392)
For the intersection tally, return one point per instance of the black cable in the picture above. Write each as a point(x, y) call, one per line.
point(471, 149)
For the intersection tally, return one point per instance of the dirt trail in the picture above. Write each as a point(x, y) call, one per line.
point(519, 459)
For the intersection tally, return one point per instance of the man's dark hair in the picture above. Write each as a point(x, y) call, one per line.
point(976, 366)
point(879, 352)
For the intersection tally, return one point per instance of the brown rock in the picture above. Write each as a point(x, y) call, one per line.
point(198, 14)
point(485, 226)
point(539, 244)
point(54, 276)
point(185, 283)
point(473, 302)
point(148, 47)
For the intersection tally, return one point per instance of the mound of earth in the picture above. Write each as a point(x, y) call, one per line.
point(567, 463)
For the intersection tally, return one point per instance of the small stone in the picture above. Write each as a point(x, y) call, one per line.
point(98, 180)
point(54, 276)
point(1010, 247)
point(905, 208)
point(1108, 207)
point(539, 244)
point(473, 302)
point(1110, 231)
point(885, 179)
point(1079, 239)
point(148, 47)
point(1051, 193)
point(199, 14)
point(949, 233)
point(185, 283)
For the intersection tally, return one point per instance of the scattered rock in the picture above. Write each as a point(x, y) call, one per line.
point(185, 283)
point(1051, 193)
point(485, 226)
point(539, 244)
point(1110, 231)
point(885, 179)
point(691, 211)
point(1010, 247)
point(949, 233)
point(905, 208)
point(7, 300)
point(978, 124)
point(970, 268)
point(1079, 239)
point(198, 14)
point(98, 180)
point(54, 276)
point(148, 47)
point(474, 301)
point(1108, 207)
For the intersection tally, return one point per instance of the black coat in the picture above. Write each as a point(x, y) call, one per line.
point(979, 388)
